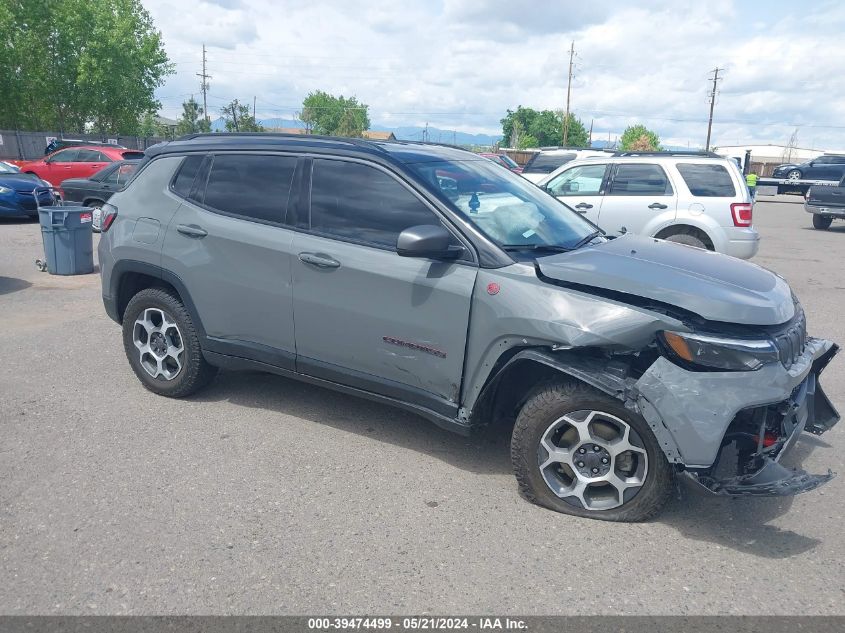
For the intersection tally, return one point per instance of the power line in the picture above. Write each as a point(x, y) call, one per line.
point(205, 77)
point(568, 92)
point(712, 105)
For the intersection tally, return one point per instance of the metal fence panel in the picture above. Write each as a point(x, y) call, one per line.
point(17, 145)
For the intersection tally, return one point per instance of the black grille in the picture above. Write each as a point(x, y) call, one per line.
point(790, 341)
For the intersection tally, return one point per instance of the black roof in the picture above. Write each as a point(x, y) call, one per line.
point(402, 151)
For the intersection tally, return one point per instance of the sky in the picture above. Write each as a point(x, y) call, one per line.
point(461, 64)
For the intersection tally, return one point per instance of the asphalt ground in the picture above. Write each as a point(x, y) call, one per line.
point(263, 495)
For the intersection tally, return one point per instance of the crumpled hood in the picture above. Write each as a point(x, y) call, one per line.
point(714, 286)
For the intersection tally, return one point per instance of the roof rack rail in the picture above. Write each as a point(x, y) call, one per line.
point(360, 142)
point(670, 153)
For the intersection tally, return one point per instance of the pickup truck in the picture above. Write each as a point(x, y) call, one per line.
point(826, 203)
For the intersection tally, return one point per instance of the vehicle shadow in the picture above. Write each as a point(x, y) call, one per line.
point(485, 453)
point(9, 285)
point(22, 219)
point(740, 523)
point(735, 523)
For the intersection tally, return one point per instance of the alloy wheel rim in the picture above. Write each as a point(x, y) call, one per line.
point(159, 343)
point(592, 460)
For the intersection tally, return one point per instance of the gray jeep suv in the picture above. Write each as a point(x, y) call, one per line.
point(429, 278)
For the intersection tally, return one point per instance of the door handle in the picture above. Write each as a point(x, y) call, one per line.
point(321, 261)
point(191, 230)
point(583, 205)
point(657, 205)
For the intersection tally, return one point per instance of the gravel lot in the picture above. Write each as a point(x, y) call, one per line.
point(264, 495)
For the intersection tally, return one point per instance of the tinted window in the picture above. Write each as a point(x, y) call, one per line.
point(362, 203)
point(185, 178)
point(546, 163)
point(120, 174)
point(583, 180)
point(90, 156)
point(640, 180)
point(707, 181)
point(250, 185)
point(132, 155)
point(65, 156)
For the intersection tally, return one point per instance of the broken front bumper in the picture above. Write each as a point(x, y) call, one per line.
point(692, 412)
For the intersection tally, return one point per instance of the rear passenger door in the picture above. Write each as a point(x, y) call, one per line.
point(365, 316)
point(582, 188)
point(229, 245)
point(639, 196)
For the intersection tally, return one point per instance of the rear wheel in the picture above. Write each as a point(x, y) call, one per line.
point(690, 237)
point(162, 345)
point(579, 451)
point(821, 221)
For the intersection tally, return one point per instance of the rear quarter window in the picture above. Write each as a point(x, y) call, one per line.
point(546, 163)
point(132, 155)
point(707, 181)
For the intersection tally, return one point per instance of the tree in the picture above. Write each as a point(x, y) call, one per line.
point(577, 134)
point(545, 126)
point(68, 64)
point(639, 138)
point(238, 119)
point(192, 120)
point(527, 141)
point(323, 113)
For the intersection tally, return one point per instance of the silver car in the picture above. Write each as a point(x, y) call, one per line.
point(431, 279)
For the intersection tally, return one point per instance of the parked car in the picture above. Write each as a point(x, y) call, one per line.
point(60, 143)
point(826, 203)
point(620, 362)
point(78, 162)
point(825, 167)
point(546, 161)
point(18, 191)
point(95, 191)
point(504, 160)
point(700, 200)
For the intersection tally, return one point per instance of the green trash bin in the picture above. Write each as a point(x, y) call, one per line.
point(68, 239)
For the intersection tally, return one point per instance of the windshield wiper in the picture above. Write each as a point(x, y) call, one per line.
point(586, 240)
point(536, 247)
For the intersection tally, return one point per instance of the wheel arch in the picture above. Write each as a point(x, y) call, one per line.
point(128, 278)
point(687, 227)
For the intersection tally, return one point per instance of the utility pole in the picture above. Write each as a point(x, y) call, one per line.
point(425, 133)
point(590, 142)
point(205, 77)
point(235, 114)
point(253, 110)
point(712, 104)
point(568, 92)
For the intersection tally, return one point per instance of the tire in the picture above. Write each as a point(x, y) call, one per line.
point(546, 408)
point(822, 221)
point(687, 237)
point(178, 374)
point(794, 174)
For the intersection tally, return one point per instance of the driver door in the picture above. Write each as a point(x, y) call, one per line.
point(582, 188)
point(58, 166)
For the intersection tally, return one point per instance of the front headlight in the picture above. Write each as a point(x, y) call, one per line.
point(5, 189)
point(716, 353)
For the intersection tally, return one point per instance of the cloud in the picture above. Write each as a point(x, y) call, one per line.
point(462, 63)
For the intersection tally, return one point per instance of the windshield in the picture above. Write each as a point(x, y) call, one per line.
point(507, 160)
point(7, 169)
point(508, 209)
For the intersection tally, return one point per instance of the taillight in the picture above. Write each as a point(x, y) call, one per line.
point(741, 212)
point(109, 215)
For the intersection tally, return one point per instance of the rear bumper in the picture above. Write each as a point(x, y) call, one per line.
point(692, 413)
point(837, 212)
point(742, 243)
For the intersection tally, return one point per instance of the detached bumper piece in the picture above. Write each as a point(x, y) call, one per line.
point(760, 436)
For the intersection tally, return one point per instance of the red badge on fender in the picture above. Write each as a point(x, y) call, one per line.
point(493, 288)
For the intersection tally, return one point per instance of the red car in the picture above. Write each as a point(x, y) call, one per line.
point(504, 160)
point(77, 162)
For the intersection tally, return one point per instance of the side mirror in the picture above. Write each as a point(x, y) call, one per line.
point(427, 240)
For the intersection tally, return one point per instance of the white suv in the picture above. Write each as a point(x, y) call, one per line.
point(548, 160)
point(700, 200)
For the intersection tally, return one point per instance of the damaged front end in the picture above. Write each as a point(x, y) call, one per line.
point(748, 461)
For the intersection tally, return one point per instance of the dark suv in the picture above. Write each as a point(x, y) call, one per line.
point(825, 167)
point(429, 278)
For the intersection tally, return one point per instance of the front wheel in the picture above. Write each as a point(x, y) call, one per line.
point(579, 451)
point(821, 221)
point(794, 175)
point(162, 345)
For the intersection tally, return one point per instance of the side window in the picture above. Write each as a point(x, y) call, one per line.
point(185, 177)
point(88, 156)
point(707, 181)
point(584, 180)
point(362, 203)
point(65, 156)
point(640, 180)
point(547, 163)
point(110, 178)
point(124, 172)
point(250, 185)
